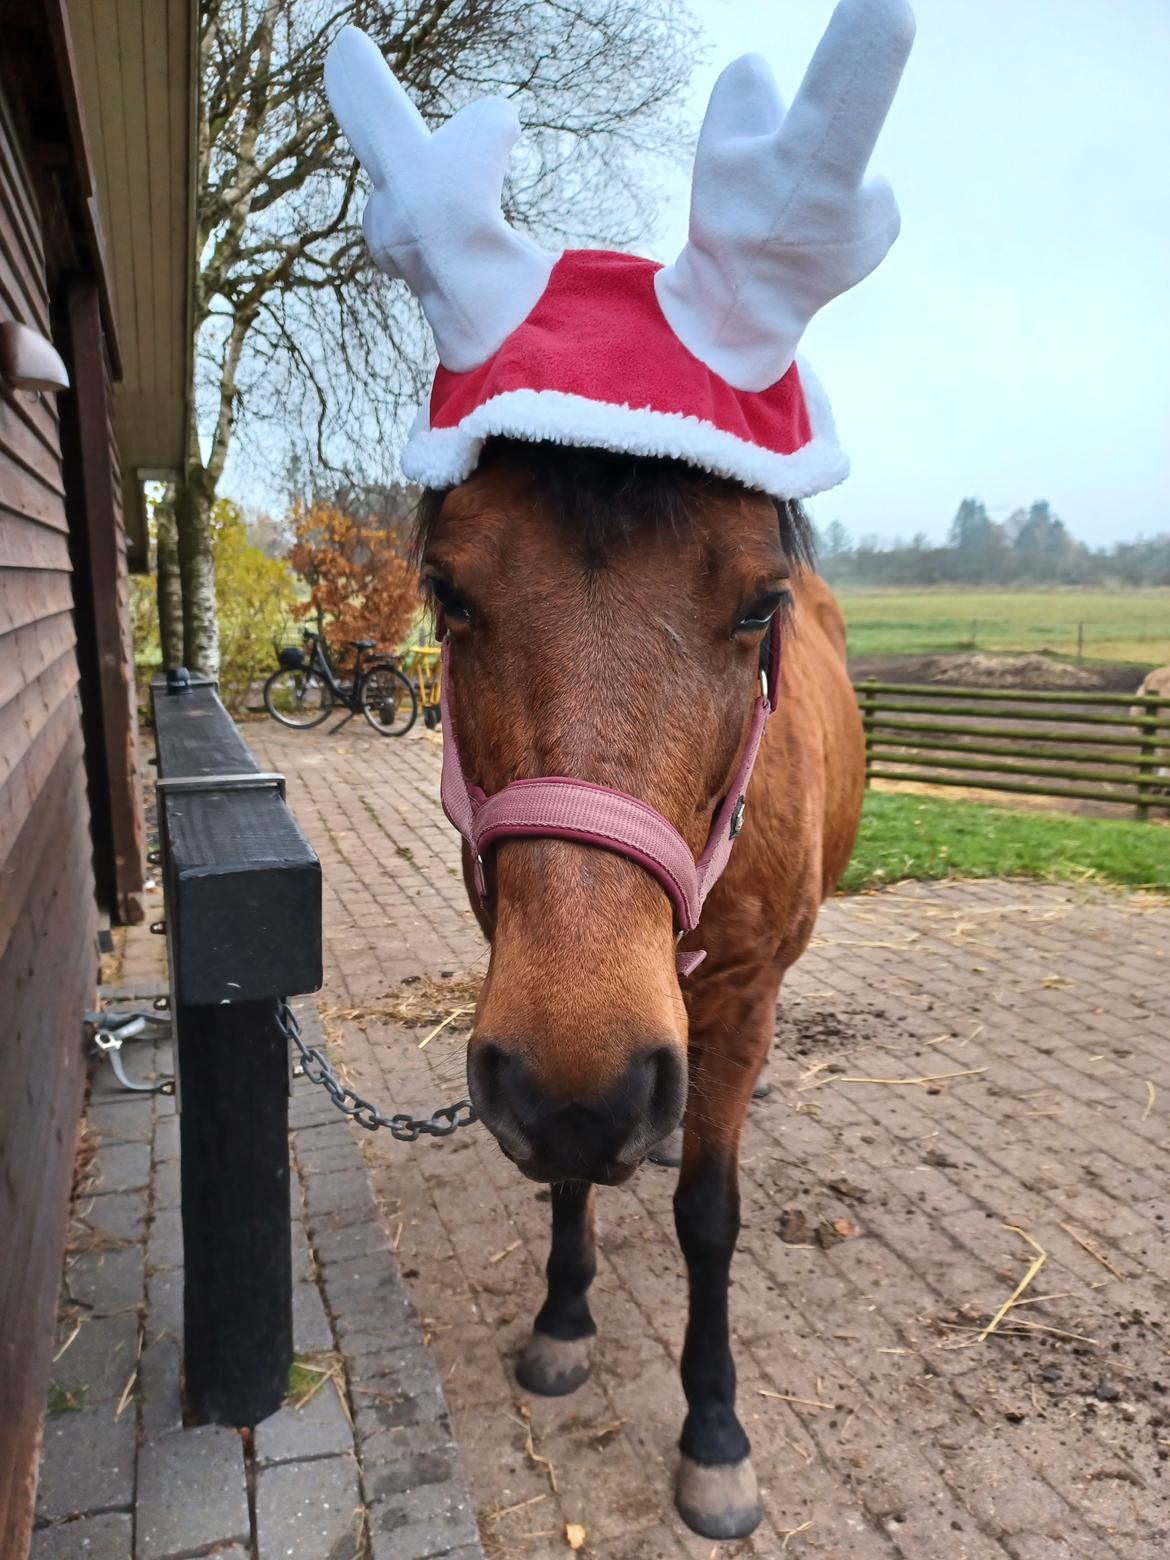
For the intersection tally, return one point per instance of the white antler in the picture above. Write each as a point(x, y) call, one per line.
point(434, 216)
point(780, 219)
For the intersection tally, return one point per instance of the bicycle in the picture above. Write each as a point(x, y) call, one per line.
point(305, 690)
point(424, 662)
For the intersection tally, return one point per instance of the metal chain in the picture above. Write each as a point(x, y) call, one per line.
point(406, 1129)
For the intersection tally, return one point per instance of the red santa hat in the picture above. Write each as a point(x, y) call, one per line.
point(695, 360)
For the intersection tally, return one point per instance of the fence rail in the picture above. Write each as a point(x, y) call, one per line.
point(242, 891)
point(1100, 747)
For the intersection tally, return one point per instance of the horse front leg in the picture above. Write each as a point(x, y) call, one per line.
point(557, 1355)
point(717, 1494)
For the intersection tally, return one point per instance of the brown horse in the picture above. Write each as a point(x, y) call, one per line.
point(606, 616)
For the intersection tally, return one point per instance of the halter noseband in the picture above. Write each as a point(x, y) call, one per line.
point(556, 807)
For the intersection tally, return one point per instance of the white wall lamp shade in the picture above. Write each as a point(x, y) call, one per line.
point(28, 361)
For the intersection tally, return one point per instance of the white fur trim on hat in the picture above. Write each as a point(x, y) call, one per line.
point(441, 457)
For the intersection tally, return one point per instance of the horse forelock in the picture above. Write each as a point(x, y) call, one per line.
point(601, 499)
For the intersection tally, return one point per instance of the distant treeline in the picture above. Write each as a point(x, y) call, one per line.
point(1031, 547)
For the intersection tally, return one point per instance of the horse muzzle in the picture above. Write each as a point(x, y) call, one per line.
point(600, 1138)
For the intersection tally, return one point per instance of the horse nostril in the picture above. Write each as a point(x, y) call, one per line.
point(656, 1084)
point(486, 1066)
point(494, 1081)
point(669, 1094)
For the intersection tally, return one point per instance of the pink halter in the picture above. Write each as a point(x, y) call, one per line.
point(559, 808)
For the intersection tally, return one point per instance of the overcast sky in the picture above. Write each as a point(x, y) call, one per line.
point(1016, 342)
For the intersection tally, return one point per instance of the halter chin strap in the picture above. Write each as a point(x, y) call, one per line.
point(558, 808)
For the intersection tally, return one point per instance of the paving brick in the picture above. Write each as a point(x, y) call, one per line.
point(311, 1331)
point(305, 1511)
point(391, 1324)
point(304, 1265)
point(394, 1388)
point(160, 1386)
point(107, 1281)
point(310, 1106)
point(166, 1132)
point(164, 1242)
point(128, 1120)
point(432, 1520)
point(121, 1167)
point(339, 1198)
point(324, 1152)
point(106, 1537)
point(164, 1308)
point(87, 1463)
point(319, 1429)
point(406, 1457)
point(191, 1492)
point(345, 1243)
point(100, 1360)
point(166, 1184)
point(119, 1216)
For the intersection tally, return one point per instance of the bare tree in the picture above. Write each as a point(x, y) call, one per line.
point(300, 343)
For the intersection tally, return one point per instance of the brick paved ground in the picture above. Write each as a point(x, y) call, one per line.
point(363, 1469)
point(910, 1437)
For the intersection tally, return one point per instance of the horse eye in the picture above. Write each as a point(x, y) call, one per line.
point(454, 606)
point(759, 613)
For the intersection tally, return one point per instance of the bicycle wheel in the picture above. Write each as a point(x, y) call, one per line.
point(297, 697)
point(388, 701)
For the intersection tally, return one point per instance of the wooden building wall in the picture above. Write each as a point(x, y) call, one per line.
point(93, 489)
point(47, 908)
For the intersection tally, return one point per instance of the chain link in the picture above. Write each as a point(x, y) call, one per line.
point(406, 1129)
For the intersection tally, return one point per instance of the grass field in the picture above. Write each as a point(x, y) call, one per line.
point(925, 837)
point(1118, 625)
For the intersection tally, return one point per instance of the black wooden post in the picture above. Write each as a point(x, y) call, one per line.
point(237, 1280)
point(243, 920)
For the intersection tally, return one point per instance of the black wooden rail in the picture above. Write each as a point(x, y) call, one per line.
point(1103, 747)
point(243, 923)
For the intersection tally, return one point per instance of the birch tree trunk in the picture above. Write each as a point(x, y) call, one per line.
point(170, 585)
point(193, 503)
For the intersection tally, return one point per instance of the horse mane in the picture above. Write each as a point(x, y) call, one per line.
point(602, 497)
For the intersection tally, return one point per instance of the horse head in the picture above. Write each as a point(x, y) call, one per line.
point(606, 620)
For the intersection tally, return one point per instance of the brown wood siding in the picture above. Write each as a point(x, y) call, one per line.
point(105, 639)
point(47, 916)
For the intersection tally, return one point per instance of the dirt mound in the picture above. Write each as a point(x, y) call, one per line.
point(976, 670)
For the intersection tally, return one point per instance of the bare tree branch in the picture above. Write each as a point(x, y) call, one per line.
point(301, 345)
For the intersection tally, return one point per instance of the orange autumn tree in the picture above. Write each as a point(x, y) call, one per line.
point(361, 584)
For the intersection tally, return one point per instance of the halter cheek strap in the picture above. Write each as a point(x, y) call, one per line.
point(559, 808)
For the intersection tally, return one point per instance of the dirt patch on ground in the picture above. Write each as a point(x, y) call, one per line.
point(975, 669)
point(803, 1032)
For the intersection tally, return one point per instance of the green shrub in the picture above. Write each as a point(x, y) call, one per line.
point(256, 595)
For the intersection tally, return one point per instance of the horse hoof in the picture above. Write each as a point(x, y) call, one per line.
point(669, 1151)
point(553, 1367)
point(721, 1501)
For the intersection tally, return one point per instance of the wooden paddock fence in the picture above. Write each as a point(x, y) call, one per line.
point(1096, 747)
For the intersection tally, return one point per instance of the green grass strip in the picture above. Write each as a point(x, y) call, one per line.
point(909, 836)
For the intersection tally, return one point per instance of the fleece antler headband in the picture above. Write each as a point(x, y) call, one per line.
point(695, 360)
